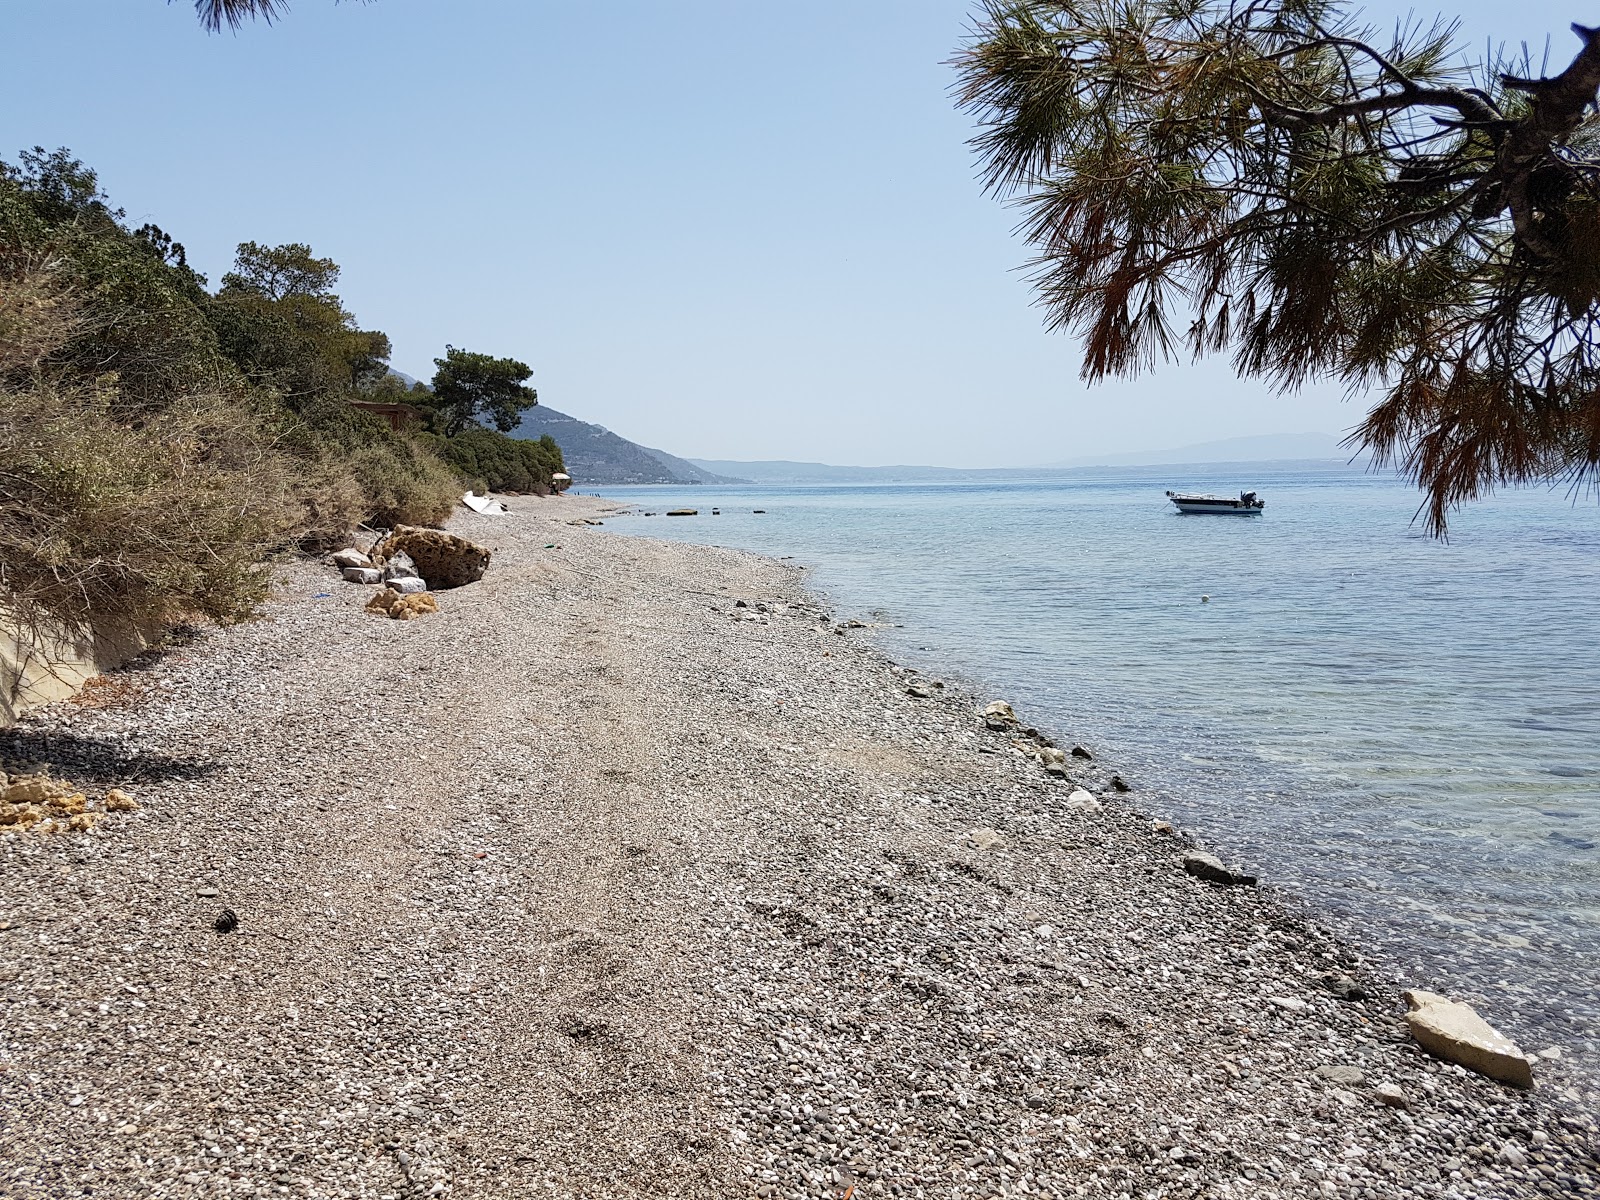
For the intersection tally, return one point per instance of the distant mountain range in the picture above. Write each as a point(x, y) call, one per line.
point(1280, 447)
point(1268, 447)
point(596, 456)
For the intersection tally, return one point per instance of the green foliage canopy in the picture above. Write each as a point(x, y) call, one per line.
point(1272, 178)
point(469, 387)
point(278, 272)
point(278, 318)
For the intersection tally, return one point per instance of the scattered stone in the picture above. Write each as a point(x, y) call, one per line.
point(1343, 986)
point(1163, 827)
point(443, 559)
point(1054, 761)
point(998, 715)
point(1213, 870)
point(1341, 1076)
point(985, 839)
point(1552, 1053)
point(920, 691)
point(1513, 1154)
point(1452, 1031)
point(1080, 752)
point(351, 558)
point(33, 802)
point(1289, 1003)
point(1391, 1095)
point(206, 893)
point(1118, 784)
point(390, 603)
point(362, 575)
point(399, 566)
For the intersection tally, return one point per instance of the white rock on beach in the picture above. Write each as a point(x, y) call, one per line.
point(1082, 801)
point(1453, 1031)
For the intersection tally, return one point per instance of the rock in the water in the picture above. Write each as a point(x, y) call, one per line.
point(1392, 1095)
point(1213, 870)
point(1080, 752)
point(683, 512)
point(443, 559)
point(361, 574)
point(1119, 784)
point(1341, 1076)
point(1082, 801)
point(351, 558)
point(985, 839)
point(1452, 1031)
point(1165, 828)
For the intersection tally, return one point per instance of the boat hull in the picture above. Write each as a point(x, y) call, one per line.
point(1226, 508)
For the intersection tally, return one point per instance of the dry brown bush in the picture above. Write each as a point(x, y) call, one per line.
point(155, 511)
point(174, 515)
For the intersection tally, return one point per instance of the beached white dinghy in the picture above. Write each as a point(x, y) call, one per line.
point(1247, 505)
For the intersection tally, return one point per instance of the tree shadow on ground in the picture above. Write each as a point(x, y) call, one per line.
point(92, 760)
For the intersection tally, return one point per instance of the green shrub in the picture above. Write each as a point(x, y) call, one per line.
point(497, 463)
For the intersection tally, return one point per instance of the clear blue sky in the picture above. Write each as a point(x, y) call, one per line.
point(729, 230)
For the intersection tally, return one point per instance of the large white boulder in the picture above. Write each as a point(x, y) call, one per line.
point(1452, 1031)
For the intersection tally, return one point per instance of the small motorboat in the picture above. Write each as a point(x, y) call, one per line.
point(1247, 505)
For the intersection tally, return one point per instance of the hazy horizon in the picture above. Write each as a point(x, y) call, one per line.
point(737, 232)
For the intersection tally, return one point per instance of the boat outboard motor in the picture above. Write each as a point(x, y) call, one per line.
point(1248, 499)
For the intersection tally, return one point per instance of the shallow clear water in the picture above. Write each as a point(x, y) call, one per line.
point(1405, 732)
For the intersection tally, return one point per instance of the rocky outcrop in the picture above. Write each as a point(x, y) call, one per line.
point(442, 559)
point(1452, 1031)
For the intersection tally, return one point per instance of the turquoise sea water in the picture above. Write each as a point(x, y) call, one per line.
point(1404, 732)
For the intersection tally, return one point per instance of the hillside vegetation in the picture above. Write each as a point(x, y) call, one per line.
point(161, 441)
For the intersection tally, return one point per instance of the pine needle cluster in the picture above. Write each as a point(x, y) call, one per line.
point(1276, 181)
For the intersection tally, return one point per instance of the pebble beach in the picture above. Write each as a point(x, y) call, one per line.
point(635, 871)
